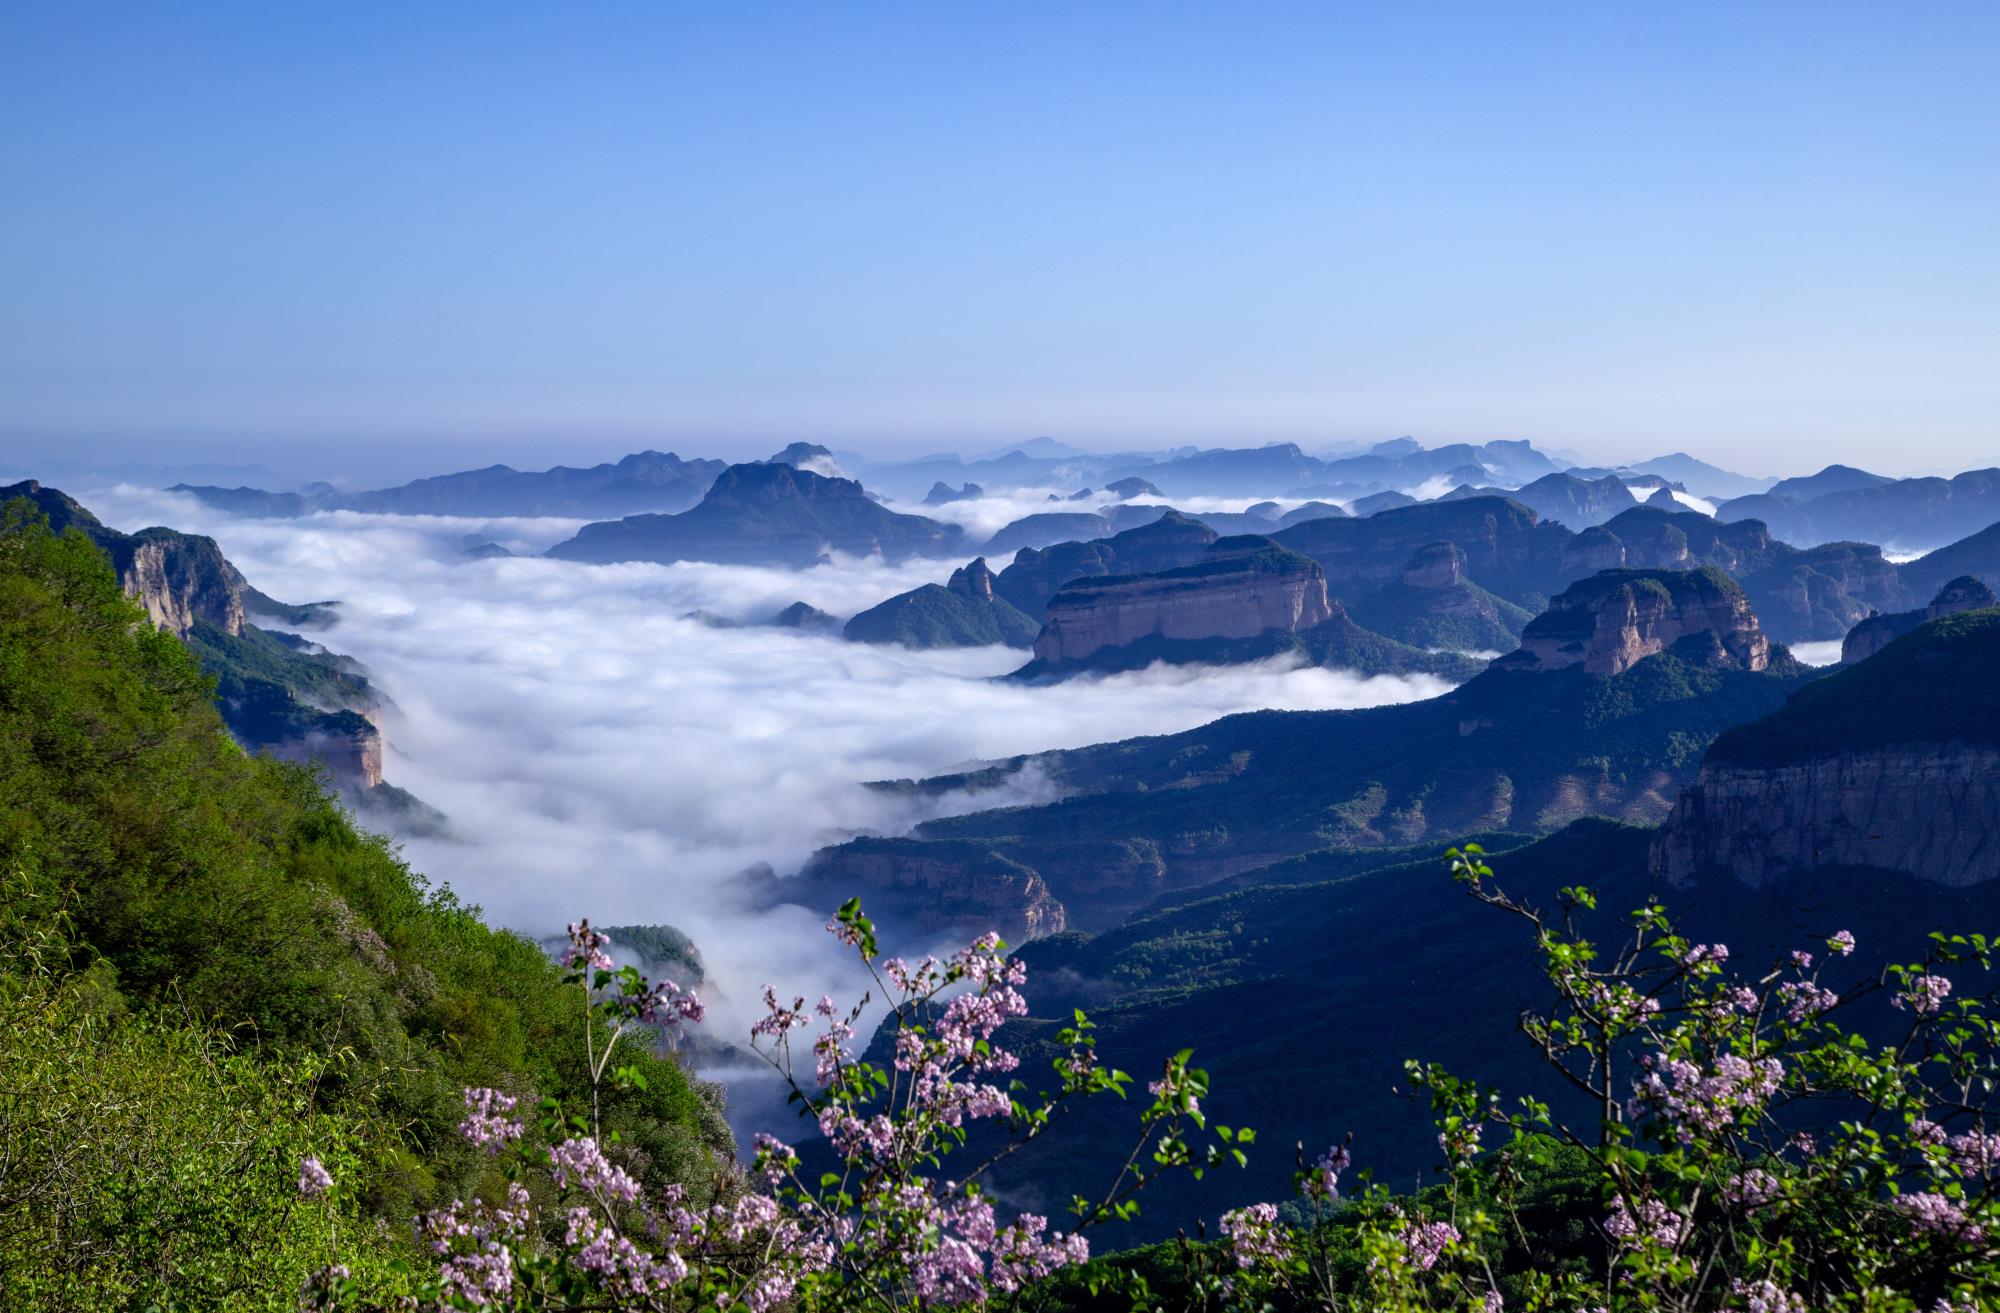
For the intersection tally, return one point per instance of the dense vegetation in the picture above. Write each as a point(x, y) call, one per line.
point(1933, 685)
point(206, 967)
point(936, 616)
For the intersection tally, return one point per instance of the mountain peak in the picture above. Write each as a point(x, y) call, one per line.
point(974, 581)
point(1615, 619)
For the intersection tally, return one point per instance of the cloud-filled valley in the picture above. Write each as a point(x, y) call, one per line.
point(599, 753)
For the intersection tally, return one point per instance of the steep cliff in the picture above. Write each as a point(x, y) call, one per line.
point(180, 578)
point(1820, 593)
point(1890, 764)
point(1610, 622)
point(1508, 549)
point(1242, 587)
point(930, 891)
point(1246, 600)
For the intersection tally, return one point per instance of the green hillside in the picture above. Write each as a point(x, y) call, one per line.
point(206, 970)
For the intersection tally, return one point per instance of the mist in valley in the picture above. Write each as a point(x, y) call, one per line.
point(606, 745)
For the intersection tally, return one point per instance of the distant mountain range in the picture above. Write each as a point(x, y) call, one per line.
point(643, 481)
point(1841, 504)
point(767, 513)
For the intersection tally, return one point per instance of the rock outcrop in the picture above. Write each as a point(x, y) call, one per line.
point(1508, 549)
point(180, 578)
point(1929, 810)
point(1037, 574)
point(1610, 622)
point(965, 612)
point(348, 744)
point(943, 494)
point(1890, 764)
point(1878, 631)
point(1243, 587)
point(1822, 592)
point(932, 890)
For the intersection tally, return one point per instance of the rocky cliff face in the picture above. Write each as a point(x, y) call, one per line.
point(1244, 587)
point(1657, 539)
point(1435, 565)
point(973, 582)
point(1821, 593)
point(933, 890)
point(1892, 764)
point(1878, 631)
point(180, 578)
point(1612, 621)
point(348, 744)
point(1928, 810)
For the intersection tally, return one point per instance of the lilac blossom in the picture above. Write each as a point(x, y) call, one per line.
point(1975, 1153)
point(1766, 1297)
point(314, 1179)
point(1255, 1236)
point(1649, 1220)
point(1937, 1215)
point(1752, 1190)
point(486, 1121)
point(1925, 995)
point(1803, 1000)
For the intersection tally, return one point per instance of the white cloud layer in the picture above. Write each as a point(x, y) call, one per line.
point(598, 754)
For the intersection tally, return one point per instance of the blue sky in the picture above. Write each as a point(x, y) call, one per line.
point(1764, 233)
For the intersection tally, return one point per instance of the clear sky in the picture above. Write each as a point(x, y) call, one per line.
point(1768, 234)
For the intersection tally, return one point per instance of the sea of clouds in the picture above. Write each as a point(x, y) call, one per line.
point(599, 753)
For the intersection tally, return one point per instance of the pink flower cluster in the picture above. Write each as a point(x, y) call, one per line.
point(1766, 1297)
point(586, 948)
point(1803, 1000)
point(486, 1121)
point(1697, 1102)
point(1975, 1153)
point(476, 1246)
point(1752, 1190)
point(1937, 1215)
point(581, 1164)
point(1255, 1236)
point(1323, 1181)
point(1649, 1220)
point(314, 1179)
point(1426, 1242)
point(1924, 996)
